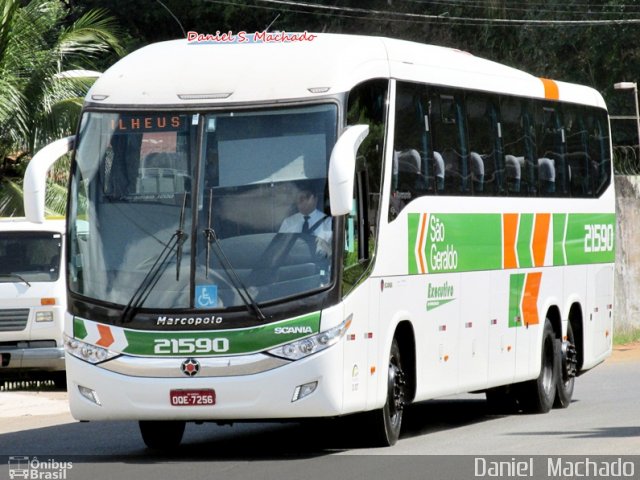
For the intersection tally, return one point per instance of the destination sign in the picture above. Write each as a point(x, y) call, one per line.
point(148, 123)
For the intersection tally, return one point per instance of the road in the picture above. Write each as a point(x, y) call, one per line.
point(604, 419)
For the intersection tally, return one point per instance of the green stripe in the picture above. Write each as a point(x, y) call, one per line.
point(464, 242)
point(590, 238)
point(79, 329)
point(240, 341)
point(523, 247)
point(559, 220)
point(413, 224)
point(516, 289)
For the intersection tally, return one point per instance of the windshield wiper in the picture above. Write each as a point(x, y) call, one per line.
point(180, 236)
point(152, 277)
point(239, 286)
point(15, 275)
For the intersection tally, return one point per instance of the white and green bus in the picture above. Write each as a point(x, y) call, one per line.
point(460, 234)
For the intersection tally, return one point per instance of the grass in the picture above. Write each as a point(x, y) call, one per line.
point(626, 334)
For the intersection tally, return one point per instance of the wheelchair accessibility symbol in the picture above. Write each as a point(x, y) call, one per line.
point(206, 296)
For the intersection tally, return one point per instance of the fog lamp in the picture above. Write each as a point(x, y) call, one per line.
point(302, 391)
point(89, 394)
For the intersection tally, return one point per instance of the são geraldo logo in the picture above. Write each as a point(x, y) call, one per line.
point(246, 37)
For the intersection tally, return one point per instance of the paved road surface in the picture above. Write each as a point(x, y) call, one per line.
point(603, 419)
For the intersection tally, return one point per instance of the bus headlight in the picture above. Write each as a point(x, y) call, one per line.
point(310, 345)
point(87, 352)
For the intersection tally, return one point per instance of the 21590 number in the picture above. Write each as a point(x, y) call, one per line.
point(598, 238)
point(186, 346)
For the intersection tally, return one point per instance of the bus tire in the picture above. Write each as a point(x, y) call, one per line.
point(387, 421)
point(537, 396)
point(161, 435)
point(567, 370)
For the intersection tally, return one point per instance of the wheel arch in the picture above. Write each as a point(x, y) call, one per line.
point(405, 335)
point(576, 320)
point(553, 314)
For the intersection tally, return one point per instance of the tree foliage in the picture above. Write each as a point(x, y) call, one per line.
point(40, 98)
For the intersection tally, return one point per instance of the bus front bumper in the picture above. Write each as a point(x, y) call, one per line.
point(96, 393)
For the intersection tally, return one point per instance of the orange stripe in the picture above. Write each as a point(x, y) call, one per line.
point(106, 337)
point(540, 236)
point(530, 298)
point(420, 250)
point(509, 234)
point(551, 91)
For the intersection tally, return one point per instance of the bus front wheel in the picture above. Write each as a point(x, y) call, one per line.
point(161, 435)
point(387, 421)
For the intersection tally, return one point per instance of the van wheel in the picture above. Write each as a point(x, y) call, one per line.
point(161, 435)
point(567, 370)
point(60, 380)
point(537, 396)
point(387, 421)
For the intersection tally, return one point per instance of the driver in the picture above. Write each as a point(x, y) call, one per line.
point(308, 219)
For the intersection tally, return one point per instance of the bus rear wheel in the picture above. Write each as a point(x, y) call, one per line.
point(568, 367)
point(161, 435)
point(537, 396)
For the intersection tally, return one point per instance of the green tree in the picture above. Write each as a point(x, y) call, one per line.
point(45, 64)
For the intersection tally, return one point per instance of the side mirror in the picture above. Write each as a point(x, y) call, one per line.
point(342, 167)
point(35, 178)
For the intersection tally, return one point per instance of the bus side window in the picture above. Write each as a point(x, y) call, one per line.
point(599, 150)
point(577, 153)
point(552, 151)
point(366, 105)
point(448, 131)
point(414, 165)
point(518, 158)
point(485, 145)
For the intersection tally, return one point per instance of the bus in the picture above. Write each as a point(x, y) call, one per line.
point(460, 234)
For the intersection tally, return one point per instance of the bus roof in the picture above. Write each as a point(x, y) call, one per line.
point(182, 73)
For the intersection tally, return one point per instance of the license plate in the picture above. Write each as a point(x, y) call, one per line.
point(192, 398)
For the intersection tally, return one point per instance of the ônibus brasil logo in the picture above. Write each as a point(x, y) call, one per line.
point(32, 468)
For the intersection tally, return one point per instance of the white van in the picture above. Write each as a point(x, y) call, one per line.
point(32, 299)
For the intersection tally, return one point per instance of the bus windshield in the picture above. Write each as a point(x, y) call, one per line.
point(30, 256)
point(202, 210)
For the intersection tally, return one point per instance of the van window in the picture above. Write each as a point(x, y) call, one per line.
point(32, 256)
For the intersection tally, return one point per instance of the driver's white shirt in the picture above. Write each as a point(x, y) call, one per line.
point(293, 224)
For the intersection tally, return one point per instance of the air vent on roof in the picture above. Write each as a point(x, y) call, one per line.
point(318, 89)
point(204, 96)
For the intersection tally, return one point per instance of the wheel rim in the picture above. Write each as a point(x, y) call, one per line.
point(396, 391)
point(569, 358)
point(547, 366)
